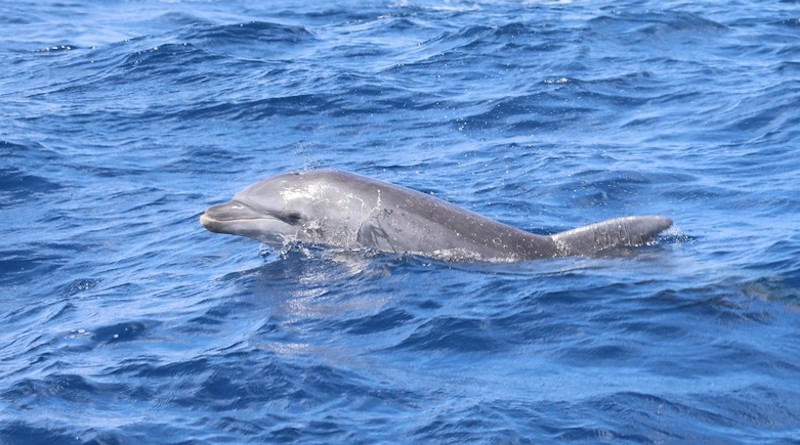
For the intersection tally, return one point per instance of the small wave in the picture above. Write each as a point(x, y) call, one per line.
point(26, 265)
point(481, 38)
point(24, 432)
point(57, 48)
point(791, 23)
point(252, 40)
point(383, 321)
point(121, 332)
point(167, 60)
point(453, 334)
point(250, 32)
point(16, 186)
point(263, 108)
point(78, 286)
point(176, 19)
point(86, 339)
point(655, 23)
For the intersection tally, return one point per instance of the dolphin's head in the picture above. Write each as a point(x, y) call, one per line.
point(272, 211)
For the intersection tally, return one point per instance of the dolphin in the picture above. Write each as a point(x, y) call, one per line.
point(347, 211)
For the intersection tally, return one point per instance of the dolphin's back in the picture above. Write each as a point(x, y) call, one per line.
point(409, 221)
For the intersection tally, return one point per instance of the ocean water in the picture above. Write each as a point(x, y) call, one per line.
point(123, 321)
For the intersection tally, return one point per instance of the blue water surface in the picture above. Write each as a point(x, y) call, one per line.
point(123, 321)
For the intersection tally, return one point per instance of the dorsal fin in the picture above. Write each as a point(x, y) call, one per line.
point(630, 231)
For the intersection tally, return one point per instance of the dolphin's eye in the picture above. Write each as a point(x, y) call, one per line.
point(292, 218)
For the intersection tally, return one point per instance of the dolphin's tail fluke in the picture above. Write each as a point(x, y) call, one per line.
point(631, 231)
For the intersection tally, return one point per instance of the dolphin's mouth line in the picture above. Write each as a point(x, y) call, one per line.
point(206, 218)
point(218, 217)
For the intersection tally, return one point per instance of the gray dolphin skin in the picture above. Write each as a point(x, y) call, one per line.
point(347, 211)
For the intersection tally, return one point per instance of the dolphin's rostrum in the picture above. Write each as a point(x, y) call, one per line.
point(344, 210)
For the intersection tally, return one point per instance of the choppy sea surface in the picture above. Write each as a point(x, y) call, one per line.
point(123, 321)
